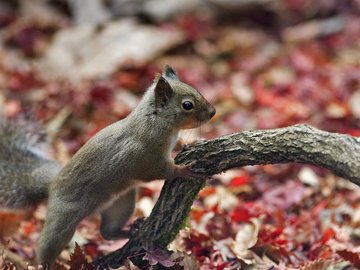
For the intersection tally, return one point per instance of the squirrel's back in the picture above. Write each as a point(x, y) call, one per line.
point(25, 169)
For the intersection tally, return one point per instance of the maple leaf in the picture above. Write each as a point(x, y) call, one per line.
point(78, 260)
point(158, 255)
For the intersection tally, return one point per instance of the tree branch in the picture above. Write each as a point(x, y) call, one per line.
point(300, 143)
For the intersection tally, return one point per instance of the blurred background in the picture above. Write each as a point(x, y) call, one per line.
point(79, 65)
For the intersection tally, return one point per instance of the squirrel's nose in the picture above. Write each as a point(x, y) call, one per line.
point(212, 112)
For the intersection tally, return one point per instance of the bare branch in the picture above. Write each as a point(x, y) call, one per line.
point(301, 143)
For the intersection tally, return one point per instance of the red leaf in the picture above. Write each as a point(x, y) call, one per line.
point(354, 132)
point(328, 234)
point(239, 180)
point(22, 80)
point(206, 192)
point(101, 93)
point(352, 257)
point(222, 266)
point(91, 249)
point(273, 236)
point(146, 192)
point(240, 214)
point(28, 227)
point(199, 244)
point(78, 260)
point(196, 215)
point(277, 232)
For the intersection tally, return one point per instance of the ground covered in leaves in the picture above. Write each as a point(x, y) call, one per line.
point(262, 68)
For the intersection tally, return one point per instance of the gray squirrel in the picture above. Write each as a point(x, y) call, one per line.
point(103, 175)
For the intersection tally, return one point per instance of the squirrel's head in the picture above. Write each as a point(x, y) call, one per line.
point(183, 105)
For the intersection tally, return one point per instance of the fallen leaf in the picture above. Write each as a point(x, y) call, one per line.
point(354, 258)
point(160, 256)
point(78, 260)
point(245, 239)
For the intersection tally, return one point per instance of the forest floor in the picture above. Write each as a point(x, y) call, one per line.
point(263, 70)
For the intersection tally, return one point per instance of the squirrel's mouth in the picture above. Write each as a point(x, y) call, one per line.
point(207, 114)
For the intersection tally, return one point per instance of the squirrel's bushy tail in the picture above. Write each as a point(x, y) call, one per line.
point(25, 166)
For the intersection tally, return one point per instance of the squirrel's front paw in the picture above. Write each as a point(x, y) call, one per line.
point(186, 146)
point(187, 171)
point(135, 226)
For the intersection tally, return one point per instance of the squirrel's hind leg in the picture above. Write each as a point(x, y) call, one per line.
point(116, 215)
point(58, 230)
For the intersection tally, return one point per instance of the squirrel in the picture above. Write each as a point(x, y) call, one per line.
point(103, 174)
point(26, 168)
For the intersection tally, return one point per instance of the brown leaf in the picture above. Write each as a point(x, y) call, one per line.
point(10, 222)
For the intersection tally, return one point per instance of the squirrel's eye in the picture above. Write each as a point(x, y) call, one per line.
point(187, 105)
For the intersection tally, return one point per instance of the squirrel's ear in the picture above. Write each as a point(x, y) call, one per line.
point(170, 73)
point(163, 92)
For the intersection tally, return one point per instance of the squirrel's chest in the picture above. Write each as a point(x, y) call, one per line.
point(161, 145)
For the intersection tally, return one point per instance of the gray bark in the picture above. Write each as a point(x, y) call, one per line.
point(301, 143)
